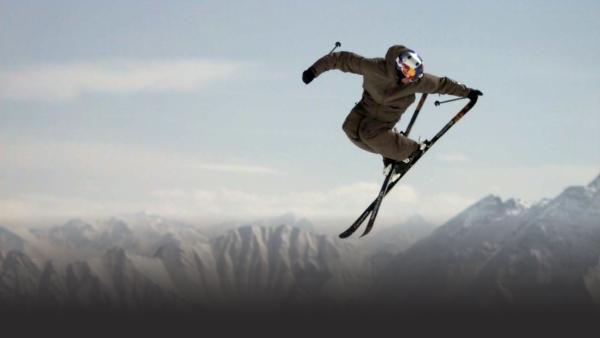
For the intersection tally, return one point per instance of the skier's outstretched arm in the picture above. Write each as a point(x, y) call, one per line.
point(443, 85)
point(344, 61)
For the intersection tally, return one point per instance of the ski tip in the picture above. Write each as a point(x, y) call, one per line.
point(364, 234)
point(344, 235)
point(367, 230)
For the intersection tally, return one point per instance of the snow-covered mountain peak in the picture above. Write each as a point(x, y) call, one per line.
point(288, 219)
point(489, 207)
point(573, 202)
point(580, 193)
point(515, 206)
point(595, 184)
point(574, 194)
point(75, 231)
point(489, 200)
point(259, 231)
point(542, 203)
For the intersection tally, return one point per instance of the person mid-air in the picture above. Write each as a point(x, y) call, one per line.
point(390, 85)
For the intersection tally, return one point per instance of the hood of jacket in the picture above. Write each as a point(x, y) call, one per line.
point(390, 60)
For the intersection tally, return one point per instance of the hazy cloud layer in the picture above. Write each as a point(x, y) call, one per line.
point(338, 203)
point(97, 180)
point(63, 82)
point(86, 180)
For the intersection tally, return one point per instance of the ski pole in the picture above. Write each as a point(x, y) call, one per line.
point(415, 114)
point(437, 103)
point(337, 44)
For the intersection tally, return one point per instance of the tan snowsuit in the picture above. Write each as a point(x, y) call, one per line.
point(370, 123)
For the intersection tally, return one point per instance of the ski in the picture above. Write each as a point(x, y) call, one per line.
point(372, 209)
point(348, 232)
point(379, 199)
point(375, 208)
point(384, 188)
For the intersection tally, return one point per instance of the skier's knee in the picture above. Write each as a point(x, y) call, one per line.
point(368, 134)
point(350, 127)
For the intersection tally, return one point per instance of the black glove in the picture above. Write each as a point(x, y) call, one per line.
point(308, 75)
point(474, 94)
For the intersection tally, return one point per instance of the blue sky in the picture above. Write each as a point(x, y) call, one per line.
point(195, 109)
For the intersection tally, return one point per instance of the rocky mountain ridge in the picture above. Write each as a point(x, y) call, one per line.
point(494, 253)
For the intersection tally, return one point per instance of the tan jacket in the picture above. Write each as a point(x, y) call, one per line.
point(384, 97)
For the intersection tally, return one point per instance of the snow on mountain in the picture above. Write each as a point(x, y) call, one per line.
point(285, 262)
point(550, 254)
point(499, 252)
point(115, 263)
point(285, 219)
point(117, 233)
point(75, 234)
point(433, 268)
point(153, 231)
point(141, 234)
point(494, 252)
point(191, 270)
point(595, 184)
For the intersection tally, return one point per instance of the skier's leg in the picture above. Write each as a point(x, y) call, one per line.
point(385, 141)
point(351, 127)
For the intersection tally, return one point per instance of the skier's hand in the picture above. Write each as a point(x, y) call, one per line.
point(474, 94)
point(308, 75)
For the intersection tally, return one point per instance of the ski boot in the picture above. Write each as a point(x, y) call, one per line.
point(405, 164)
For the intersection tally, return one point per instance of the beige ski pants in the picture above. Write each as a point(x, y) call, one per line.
point(377, 136)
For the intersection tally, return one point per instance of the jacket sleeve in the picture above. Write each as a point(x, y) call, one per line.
point(344, 61)
point(443, 85)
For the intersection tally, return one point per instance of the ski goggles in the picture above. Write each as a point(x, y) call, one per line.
point(409, 72)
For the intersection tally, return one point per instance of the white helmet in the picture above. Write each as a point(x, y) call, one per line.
point(410, 65)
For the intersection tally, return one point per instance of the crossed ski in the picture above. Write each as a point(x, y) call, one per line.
point(399, 169)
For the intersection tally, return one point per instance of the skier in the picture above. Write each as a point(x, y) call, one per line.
point(389, 85)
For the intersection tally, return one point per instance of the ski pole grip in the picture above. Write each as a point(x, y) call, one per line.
point(337, 44)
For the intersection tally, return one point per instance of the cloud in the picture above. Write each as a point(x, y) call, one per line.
point(341, 202)
point(62, 180)
point(64, 82)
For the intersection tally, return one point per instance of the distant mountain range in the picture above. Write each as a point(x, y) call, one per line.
point(506, 253)
point(148, 261)
point(494, 253)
